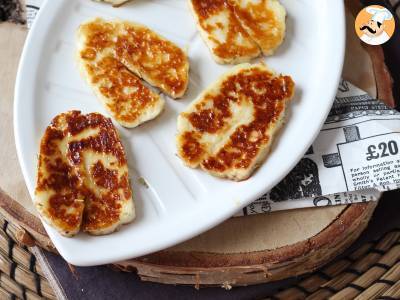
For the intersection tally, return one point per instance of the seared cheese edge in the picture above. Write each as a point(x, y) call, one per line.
point(218, 38)
point(56, 197)
point(264, 21)
point(212, 143)
point(122, 107)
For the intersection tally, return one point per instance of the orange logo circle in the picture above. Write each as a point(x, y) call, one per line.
point(375, 25)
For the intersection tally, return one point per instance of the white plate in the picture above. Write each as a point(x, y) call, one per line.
point(180, 202)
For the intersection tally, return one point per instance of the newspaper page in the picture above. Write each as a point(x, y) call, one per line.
point(354, 158)
point(32, 8)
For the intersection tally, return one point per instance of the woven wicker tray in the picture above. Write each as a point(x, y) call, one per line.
point(369, 272)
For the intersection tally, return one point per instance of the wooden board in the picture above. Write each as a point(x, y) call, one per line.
point(240, 251)
point(251, 255)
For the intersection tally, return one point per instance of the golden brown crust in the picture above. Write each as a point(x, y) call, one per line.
point(145, 53)
point(253, 86)
point(123, 94)
point(153, 58)
point(237, 46)
point(129, 97)
point(58, 182)
point(236, 30)
point(70, 196)
point(263, 20)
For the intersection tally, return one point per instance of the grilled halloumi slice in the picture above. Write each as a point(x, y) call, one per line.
point(157, 60)
point(96, 151)
point(263, 20)
point(229, 43)
point(142, 51)
point(123, 94)
point(83, 178)
point(57, 197)
point(228, 130)
point(125, 97)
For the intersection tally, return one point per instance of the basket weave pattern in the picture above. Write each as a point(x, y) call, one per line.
point(20, 275)
point(370, 272)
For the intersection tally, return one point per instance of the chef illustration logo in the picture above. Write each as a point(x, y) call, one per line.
point(374, 25)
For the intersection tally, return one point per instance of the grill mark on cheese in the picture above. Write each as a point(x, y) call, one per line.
point(248, 26)
point(106, 141)
point(158, 60)
point(79, 198)
point(65, 184)
point(255, 86)
point(261, 22)
point(142, 51)
point(128, 100)
point(124, 184)
point(104, 177)
point(104, 210)
point(57, 180)
point(205, 8)
point(99, 37)
point(60, 177)
point(131, 96)
point(60, 208)
point(51, 135)
point(191, 148)
point(230, 49)
point(100, 212)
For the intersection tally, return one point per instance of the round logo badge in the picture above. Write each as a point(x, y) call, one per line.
point(374, 25)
